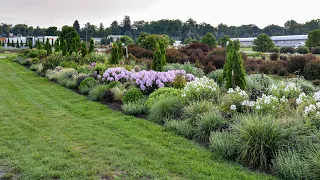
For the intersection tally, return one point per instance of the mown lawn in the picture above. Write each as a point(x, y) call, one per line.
point(50, 132)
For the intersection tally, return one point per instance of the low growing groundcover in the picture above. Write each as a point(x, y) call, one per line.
point(50, 132)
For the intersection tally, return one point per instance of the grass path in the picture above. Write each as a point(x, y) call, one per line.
point(50, 132)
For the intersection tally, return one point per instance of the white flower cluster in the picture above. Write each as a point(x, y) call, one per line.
point(239, 91)
point(302, 97)
point(312, 109)
point(269, 103)
point(287, 89)
point(316, 96)
point(233, 107)
point(200, 88)
point(248, 103)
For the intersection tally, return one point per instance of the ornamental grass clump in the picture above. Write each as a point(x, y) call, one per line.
point(135, 108)
point(201, 89)
point(87, 85)
point(259, 138)
point(164, 109)
point(181, 127)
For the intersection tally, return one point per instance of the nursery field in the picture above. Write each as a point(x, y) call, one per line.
point(50, 132)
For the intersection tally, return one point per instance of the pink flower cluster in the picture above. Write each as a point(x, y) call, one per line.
point(145, 79)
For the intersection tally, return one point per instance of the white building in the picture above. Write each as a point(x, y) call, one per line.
point(114, 37)
point(281, 41)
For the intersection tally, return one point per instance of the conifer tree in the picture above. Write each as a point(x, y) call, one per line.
point(8, 42)
point(114, 54)
point(120, 50)
point(38, 44)
point(159, 58)
point(12, 43)
point(21, 43)
point(91, 47)
point(84, 50)
point(46, 46)
point(30, 45)
point(17, 44)
point(64, 47)
point(57, 45)
point(233, 70)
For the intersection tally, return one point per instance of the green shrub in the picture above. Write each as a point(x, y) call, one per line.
point(69, 64)
point(52, 61)
point(85, 69)
point(98, 92)
point(258, 84)
point(180, 127)
point(224, 143)
point(162, 93)
point(100, 67)
point(132, 95)
point(312, 70)
point(135, 108)
point(274, 50)
point(188, 67)
point(259, 139)
point(315, 50)
point(208, 122)
point(217, 76)
point(274, 56)
point(196, 108)
point(303, 50)
point(232, 101)
point(168, 108)
point(290, 165)
point(33, 67)
point(306, 86)
point(87, 84)
point(286, 50)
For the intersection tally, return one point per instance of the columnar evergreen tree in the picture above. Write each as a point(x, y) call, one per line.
point(38, 44)
point(120, 50)
point(46, 46)
point(233, 70)
point(2, 43)
point(49, 49)
point(64, 47)
point(12, 43)
point(159, 58)
point(30, 45)
point(57, 45)
point(84, 50)
point(91, 47)
point(52, 43)
point(27, 45)
point(8, 42)
point(21, 43)
point(114, 54)
point(17, 44)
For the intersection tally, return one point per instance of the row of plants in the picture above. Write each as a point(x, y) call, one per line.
point(266, 125)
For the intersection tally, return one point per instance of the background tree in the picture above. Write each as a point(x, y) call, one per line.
point(72, 38)
point(114, 54)
point(263, 43)
point(76, 26)
point(126, 40)
point(313, 39)
point(141, 38)
point(126, 24)
point(233, 70)
point(38, 32)
point(150, 41)
point(210, 40)
point(159, 58)
point(91, 47)
point(115, 28)
point(223, 40)
point(84, 50)
point(51, 31)
point(104, 41)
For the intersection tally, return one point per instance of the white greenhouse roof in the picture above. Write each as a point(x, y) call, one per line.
point(276, 38)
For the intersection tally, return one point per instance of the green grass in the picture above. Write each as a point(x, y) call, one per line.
point(50, 132)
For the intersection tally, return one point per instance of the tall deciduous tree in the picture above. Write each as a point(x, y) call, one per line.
point(313, 39)
point(210, 40)
point(263, 43)
point(233, 70)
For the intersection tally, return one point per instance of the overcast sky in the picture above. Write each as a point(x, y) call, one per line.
point(47, 13)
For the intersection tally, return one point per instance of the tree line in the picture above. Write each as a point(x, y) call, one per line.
point(173, 28)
